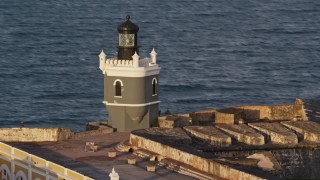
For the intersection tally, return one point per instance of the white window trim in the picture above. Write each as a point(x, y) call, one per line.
point(156, 81)
point(115, 81)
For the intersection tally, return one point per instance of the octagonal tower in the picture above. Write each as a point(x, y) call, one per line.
point(130, 83)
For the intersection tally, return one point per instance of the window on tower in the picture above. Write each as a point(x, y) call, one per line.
point(154, 86)
point(118, 88)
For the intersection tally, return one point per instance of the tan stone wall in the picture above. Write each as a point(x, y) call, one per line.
point(196, 162)
point(34, 134)
point(276, 113)
point(82, 134)
point(255, 112)
point(163, 122)
point(203, 117)
point(224, 118)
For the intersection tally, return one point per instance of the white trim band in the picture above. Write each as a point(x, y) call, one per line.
point(132, 72)
point(130, 105)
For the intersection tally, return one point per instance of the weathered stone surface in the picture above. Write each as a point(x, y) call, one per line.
point(209, 134)
point(142, 140)
point(266, 161)
point(206, 117)
point(242, 133)
point(99, 131)
point(278, 134)
point(273, 113)
point(310, 130)
point(174, 136)
point(165, 122)
point(34, 134)
point(173, 121)
point(228, 116)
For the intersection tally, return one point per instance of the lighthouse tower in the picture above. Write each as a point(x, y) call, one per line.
point(130, 83)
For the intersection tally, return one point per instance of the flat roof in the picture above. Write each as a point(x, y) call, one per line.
point(97, 165)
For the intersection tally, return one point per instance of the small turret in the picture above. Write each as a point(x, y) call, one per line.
point(153, 56)
point(135, 59)
point(102, 58)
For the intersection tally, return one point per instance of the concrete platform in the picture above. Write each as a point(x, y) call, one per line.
point(308, 129)
point(243, 133)
point(278, 134)
point(209, 134)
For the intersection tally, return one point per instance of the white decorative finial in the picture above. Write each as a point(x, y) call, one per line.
point(102, 54)
point(102, 57)
point(153, 56)
point(135, 59)
point(114, 175)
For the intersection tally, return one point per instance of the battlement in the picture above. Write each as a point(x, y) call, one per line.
point(114, 62)
point(136, 62)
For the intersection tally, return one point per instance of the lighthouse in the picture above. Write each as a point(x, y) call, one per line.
point(131, 92)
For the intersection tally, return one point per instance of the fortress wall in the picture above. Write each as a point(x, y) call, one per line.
point(197, 162)
point(34, 134)
point(82, 134)
point(255, 112)
point(276, 113)
point(201, 117)
point(271, 113)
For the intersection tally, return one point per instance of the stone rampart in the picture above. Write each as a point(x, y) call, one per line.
point(241, 114)
point(34, 134)
point(203, 117)
point(308, 129)
point(242, 133)
point(273, 113)
point(209, 134)
point(83, 134)
point(197, 162)
point(278, 134)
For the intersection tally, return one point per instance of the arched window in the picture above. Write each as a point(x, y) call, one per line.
point(118, 87)
point(154, 86)
point(21, 176)
point(5, 172)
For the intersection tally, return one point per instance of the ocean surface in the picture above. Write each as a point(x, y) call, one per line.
point(213, 54)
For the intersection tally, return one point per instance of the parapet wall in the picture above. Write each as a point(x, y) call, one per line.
point(273, 113)
point(197, 162)
point(248, 113)
point(34, 134)
point(96, 132)
point(203, 117)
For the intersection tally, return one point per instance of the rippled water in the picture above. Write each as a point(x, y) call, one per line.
point(213, 54)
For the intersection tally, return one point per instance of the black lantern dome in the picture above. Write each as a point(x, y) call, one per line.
point(128, 26)
point(128, 39)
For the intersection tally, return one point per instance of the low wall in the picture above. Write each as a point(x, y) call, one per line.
point(203, 117)
point(197, 162)
point(34, 134)
point(273, 113)
point(82, 134)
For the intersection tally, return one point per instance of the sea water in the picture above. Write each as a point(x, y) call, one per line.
point(213, 54)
